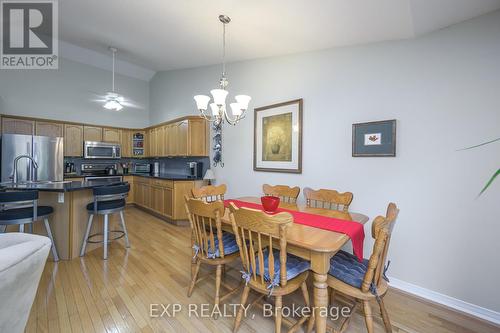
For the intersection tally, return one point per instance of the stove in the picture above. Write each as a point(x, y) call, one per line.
point(92, 171)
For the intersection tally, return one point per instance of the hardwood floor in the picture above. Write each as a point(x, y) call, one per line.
point(92, 295)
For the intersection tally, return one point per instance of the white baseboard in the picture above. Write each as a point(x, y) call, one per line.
point(454, 303)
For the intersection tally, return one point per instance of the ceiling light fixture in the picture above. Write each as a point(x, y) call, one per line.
point(219, 112)
point(113, 100)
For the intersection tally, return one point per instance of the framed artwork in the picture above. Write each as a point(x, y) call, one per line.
point(377, 138)
point(278, 137)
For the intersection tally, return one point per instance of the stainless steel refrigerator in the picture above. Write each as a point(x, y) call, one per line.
point(46, 151)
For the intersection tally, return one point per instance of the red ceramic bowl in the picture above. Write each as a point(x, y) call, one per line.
point(270, 203)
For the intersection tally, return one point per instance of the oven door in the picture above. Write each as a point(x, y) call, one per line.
point(91, 178)
point(100, 150)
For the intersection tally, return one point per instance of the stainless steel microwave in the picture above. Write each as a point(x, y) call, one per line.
point(103, 150)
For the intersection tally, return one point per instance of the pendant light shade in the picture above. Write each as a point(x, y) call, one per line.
point(202, 102)
point(219, 96)
point(243, 101)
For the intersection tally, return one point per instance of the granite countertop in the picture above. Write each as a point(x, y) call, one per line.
point(64, 186)
point(167, 176)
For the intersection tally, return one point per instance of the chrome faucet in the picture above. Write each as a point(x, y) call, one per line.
point(15, 176)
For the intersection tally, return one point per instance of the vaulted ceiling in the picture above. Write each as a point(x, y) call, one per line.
point(174, 34)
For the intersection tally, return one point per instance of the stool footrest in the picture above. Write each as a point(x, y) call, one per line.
point(120, 233)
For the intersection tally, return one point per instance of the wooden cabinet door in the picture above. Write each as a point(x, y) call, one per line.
point(46, 128)
point(157, 199)
point(130, 180)
point(113, 135)
point(126, 143)
point(198, 137)
point(168, 199)
point(172, 140)
point(73, 140)
point(182, 138)
point(138, 197)
point(152, 142)
point(17, 126)
point(92, 133)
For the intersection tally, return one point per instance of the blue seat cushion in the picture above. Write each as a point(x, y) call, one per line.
point(229, 242)
point(346, 267)
point(106, 205)
point(24, 213)
point(294, 266)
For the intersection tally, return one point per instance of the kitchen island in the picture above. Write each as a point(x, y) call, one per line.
point(161, 196)
point(69, 200)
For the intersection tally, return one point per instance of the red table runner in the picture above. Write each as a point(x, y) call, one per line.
point(353, 229)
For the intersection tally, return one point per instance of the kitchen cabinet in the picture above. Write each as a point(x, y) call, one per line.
point(47, 128)
point(92, 133)
point(198, 137)
point(73, 140)
point(113, 135)
point(126, 143)
point(130, 197)
point(181, 135)
point(18, 126)
point(165, 198)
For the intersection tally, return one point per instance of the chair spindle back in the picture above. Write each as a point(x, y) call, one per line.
point(210, 193)
point(286, 193)
point(381, 231)
point(205, 221)
point(255, 233)
point(329, 199)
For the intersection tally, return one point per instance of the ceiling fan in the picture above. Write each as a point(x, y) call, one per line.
point(112, 100)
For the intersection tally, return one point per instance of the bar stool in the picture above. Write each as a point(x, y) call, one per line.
point(107, 200)
point(20, 208)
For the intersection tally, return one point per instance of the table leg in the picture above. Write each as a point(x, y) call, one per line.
point(320, 301)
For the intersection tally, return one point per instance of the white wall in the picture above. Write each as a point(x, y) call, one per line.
point(442, 88)
point(66, 94)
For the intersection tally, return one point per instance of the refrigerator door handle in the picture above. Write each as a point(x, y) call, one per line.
point(34, 175)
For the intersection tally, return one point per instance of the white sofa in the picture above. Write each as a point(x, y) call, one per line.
point(22, 259)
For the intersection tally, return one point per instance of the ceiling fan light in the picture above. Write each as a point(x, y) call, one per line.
point(113, 105)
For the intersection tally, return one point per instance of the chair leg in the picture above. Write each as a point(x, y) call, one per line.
point(49, 233)
point(368, 316)
point(86, 236)
point(124, 228)
point(106, 236)
point(278, 304)
point(194, 278)
point(305, 293)
point(30, 228)
point(21, 228)
point(243, 302)
point(385, 316)
point(218, 277)
point(3, 228)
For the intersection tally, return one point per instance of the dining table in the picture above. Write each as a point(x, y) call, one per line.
point(313, 244)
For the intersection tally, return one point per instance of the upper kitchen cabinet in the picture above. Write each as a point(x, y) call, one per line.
point(113, 135)
point(47, 128)
point(126, 143)
point(92, 133)
point(73, 140)
point(198, 136)
point(18, 126)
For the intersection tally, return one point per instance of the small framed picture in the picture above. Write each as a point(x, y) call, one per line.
point(376, 138)
point(278, 137)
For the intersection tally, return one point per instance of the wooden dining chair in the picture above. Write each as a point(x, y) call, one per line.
point(286, 193)
point(365, 281)
point(210, 244)
point(268, 271)
point(329, 199)
point(210, 193)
